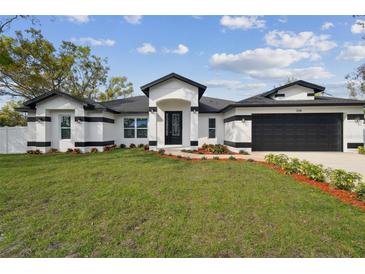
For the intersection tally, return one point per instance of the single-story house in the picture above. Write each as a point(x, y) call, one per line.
point(173, 112)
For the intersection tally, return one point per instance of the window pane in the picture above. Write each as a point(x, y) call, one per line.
point(211, 122)
point(142, 122)
point(129, 122)
point(65, 133)
point(141, 133)
point(65, 121)
point(211, 133)
point(129, 133)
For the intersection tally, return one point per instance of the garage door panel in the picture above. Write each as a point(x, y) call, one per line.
point(297, 132)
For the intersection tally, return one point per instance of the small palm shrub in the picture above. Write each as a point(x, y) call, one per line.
point(342, 179)
point(215, 149)
point(161, 151)
point(132, 146)
point(361, 150)
point(360, 191)
point(122, 146)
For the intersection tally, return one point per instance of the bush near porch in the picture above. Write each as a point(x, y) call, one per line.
point(132, 203)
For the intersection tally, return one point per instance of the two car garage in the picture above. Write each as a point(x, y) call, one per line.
point(297, 132)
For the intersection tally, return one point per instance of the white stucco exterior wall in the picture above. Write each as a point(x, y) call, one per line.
point(204, 128)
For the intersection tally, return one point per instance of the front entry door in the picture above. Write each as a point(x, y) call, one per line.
point(173, 127)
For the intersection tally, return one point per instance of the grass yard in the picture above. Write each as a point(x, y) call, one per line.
point(130, 203)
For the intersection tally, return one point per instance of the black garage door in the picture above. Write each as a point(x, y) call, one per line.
point(297, 132)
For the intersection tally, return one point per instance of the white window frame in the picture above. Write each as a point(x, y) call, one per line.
point(135, 128)
point(215, 128)
point(61, 127)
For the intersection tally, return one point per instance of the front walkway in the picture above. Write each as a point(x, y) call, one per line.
point(349, 161)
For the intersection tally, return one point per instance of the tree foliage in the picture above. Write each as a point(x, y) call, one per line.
point(356, 79)
point(118, 87)
point(30, 65)
point(6, 21)
point(10, 117)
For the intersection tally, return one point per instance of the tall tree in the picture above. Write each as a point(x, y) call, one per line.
point(118, 87)
point(30, 65)
point(10, 117)
point(356, 79)
point(6, 21)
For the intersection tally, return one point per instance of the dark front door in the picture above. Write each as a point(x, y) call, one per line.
point(297, 132)
point(173, 127)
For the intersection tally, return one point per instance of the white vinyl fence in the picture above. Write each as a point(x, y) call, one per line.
point(13, 139)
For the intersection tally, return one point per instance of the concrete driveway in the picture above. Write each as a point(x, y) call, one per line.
point(346, 160)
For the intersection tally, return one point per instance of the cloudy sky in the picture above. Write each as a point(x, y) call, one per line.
point(235, 56)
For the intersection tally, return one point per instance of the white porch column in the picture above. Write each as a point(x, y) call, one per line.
point(152, 128)
point(194, 127)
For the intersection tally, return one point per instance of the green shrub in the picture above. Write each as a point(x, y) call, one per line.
point(132, 146)
point(140, 145)
point(203, 158)
point(215, 149)
point(216, 158)
point(76, 151)
point(232, 158)
point(122, 146)
point(94, 150)
point(69, 150)
point(280, 160)
point(161, 151)
point(360, 191)
point(53, 150)
point(179, 156)
point(313, 171)
point(146, 147)
point(361, 150)
point(292, 166)
point(243, 152)
point(342, 179)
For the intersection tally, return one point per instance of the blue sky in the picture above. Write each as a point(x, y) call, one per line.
point(235, 56)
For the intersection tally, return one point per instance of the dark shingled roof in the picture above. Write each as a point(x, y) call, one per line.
point(136, 104)
point(209, 104)
point(314, 87)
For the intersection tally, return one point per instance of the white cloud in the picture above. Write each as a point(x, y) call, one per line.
point(133, 19)
point(358, 27)
point(146, 48)
point(283, 19)
point(94, 42)
point(267, 63)
point(181, 49)
point(306, 40)
point(327, 25)
point(234, 85)
point(80, 19)
point(242, 22)
point(355, 52)
point(260, 58)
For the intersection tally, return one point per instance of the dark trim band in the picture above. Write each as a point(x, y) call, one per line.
point(152, 109)
point(152, 143)
point(93, 119)
point(238, 144)
point(354, 145)
point(94, 143)
point(355, 116)
point(279, 95)
point(194, 109)
point(311, 94)
point(39, 119)
point(238, 118)
point(38, 144)
point(194, 143)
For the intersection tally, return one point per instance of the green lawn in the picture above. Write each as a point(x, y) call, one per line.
point(130, 203)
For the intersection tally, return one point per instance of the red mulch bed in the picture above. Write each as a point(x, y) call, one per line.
point(345, 196)
point(203, 151)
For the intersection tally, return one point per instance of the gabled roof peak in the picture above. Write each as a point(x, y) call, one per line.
point(146, 88)
point(316, 88)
